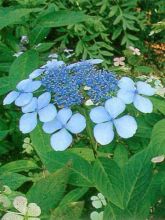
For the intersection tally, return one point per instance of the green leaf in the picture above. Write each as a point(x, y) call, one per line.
point(121, 155)
point(49, 190)
point(23, 66)
point(74, 195)
point(159, 104)
point(157, 143)
point(116, 33)
point(113, 11)
point(4, 85)
point(13, 180)
point(38, 34)
point(86, 153)
point(10, 15)
point(113, 212)
point(108, 179)
point(3, 134)
point(6, 54)
point(44, 47)
point(69, 211)
point(137, 175)
point(117, 20)
point(80, 168)
point(18, 166)
point(61, 18)
point(143, 69)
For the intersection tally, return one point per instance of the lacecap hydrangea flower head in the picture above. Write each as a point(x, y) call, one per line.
point(67, 87)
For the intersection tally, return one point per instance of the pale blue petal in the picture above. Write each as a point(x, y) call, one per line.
point(143, 104)
point(94, 61)
point(99, 115)
point(76, 123)
point(11, 97)
point(126, 96)
point(21, 86)
point(28, 122)
point(145, 89)
point(114, 106)
point(23, 99)
point(32, 86)
point(36, 73)
point(103, 133)
point(44, 100)
point(61, 140)
point(47, 113)
point(126, 126)
point(52, 126)
point(126, 83)
point(64, 115)
point(31, 106)
point(53, 64)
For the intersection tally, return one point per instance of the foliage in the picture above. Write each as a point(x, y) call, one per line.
point(62, 182)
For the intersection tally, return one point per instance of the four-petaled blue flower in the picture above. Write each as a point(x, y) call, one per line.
point(62, 125)
point(131, 92)
point(40, 106)
point(24, 94)
point(105, 117)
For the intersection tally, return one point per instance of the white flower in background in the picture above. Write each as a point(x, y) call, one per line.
point(68, 53)
point(4, 201)
point(24, 39)
point(17, 54)
point(31, 211)
point(158, 159)
point(135, 51)
point(119, 61)
point(156, 82)
point(96, 215)
point(27, 146)
point(53, 55)
point(98, 201)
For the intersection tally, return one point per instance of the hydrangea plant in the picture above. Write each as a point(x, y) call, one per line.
point(66, 90)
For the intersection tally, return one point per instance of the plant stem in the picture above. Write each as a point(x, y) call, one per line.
point(89, 130)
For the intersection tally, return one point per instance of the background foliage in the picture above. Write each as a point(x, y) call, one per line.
point(61, 183)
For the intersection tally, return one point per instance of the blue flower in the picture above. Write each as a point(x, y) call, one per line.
point(84, 63)
point(23, 95)
point(64, 124)
point(40, 106)
point(106, 117)
point(49, 66)
point(66, 83)
point(131, 92)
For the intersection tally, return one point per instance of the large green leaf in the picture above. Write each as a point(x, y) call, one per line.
point(61, 18)
point(23, 66)
point(80, 168)
point(18, 166)
point(108, 179)
point(49, 190)
point(13, 180)
point(10, 15)
point(139, 185)
point(157, 143)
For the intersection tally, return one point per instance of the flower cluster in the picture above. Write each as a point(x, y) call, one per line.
point(66, 83)
point(74, 84)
